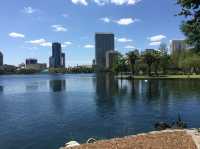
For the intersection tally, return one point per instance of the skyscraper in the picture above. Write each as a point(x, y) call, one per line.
point(1, 59)
point(103, 42)
point(58, 58)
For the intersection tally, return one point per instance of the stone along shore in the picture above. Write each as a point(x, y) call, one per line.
point(167, 139)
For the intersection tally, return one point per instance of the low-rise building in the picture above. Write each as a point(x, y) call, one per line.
point(33, 64)
point(31, 61)
point(37, 67)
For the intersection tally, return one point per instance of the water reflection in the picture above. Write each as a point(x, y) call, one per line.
point(1, 88)
point(106, 85)
point(32, 86)
point(153, 89)
point(106, 89)
point(57, 85)
point(106, 109)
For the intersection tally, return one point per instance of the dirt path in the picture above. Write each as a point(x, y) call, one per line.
point(154, 140)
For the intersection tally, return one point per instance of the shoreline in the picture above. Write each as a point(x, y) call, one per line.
point(166, 139)
point(162, 77)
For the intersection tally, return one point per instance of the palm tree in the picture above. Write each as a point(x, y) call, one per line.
point(132, 56)
point(149, 58)
point(157, 55)
point(120, 65)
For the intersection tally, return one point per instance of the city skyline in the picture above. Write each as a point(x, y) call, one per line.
point(73, 26)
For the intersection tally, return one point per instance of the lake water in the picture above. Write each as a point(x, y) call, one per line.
point(45, 111)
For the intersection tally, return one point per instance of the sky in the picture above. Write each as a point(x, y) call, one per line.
point(28, 27)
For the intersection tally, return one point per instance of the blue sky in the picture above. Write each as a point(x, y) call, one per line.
point(29, 26)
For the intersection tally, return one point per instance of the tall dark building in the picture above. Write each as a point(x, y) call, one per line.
point(1, 59)
point(103, 42)
point(58, 58)
point(31, 61)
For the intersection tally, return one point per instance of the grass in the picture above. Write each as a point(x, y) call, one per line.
point(128, 77)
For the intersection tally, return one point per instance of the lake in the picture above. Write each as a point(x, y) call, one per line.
point(46, 111)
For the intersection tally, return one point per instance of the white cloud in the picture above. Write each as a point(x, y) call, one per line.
point(29, 10)
point(40, 42)
point(101, 2)
point(65, 15)
point(59, 28)
point(65, 44)
point(16, 35)
point(156, 43)
point(68, 43)
point(124, 40)
point(157, 38)
point(129, 47)
point(105, 19)
point(82, 2)
point(127, 2)
point(126, 21)
point(46, 44)
point(104, 2)
point(89, 46)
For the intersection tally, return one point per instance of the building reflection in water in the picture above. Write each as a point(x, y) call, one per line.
point(57, 85)
point(106, 89)
point(106, 85)
point(32, 86)
point(153, 89)
point(1, 88)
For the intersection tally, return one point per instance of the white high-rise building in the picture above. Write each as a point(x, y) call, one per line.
point(111, 57)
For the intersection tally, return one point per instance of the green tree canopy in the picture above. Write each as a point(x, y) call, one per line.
point(191, 27)
point(132, 56)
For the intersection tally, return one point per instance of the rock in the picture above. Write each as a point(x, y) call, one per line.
point(71, 144)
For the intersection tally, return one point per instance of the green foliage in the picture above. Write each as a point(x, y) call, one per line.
point(132, 56)
point(164, 58)
point(149, 57)
point(57, 70)
point(120, 65)
point(7, 69)
point(191, 27)
point(190, 62)
point(26, 71)
point(81, 69)
point(163, 49)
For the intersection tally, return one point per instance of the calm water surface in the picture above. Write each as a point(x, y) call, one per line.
point(45, 111)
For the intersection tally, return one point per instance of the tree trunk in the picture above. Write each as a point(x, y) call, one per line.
point(149, 70)
point(133, 69)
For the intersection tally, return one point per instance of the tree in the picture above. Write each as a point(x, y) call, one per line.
point(190, 63)
point(157, 57)
point(132, 56)
point(120, 65)
point(163, 49)
point(149, 59)
point(164, 57)
point(191, 27)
